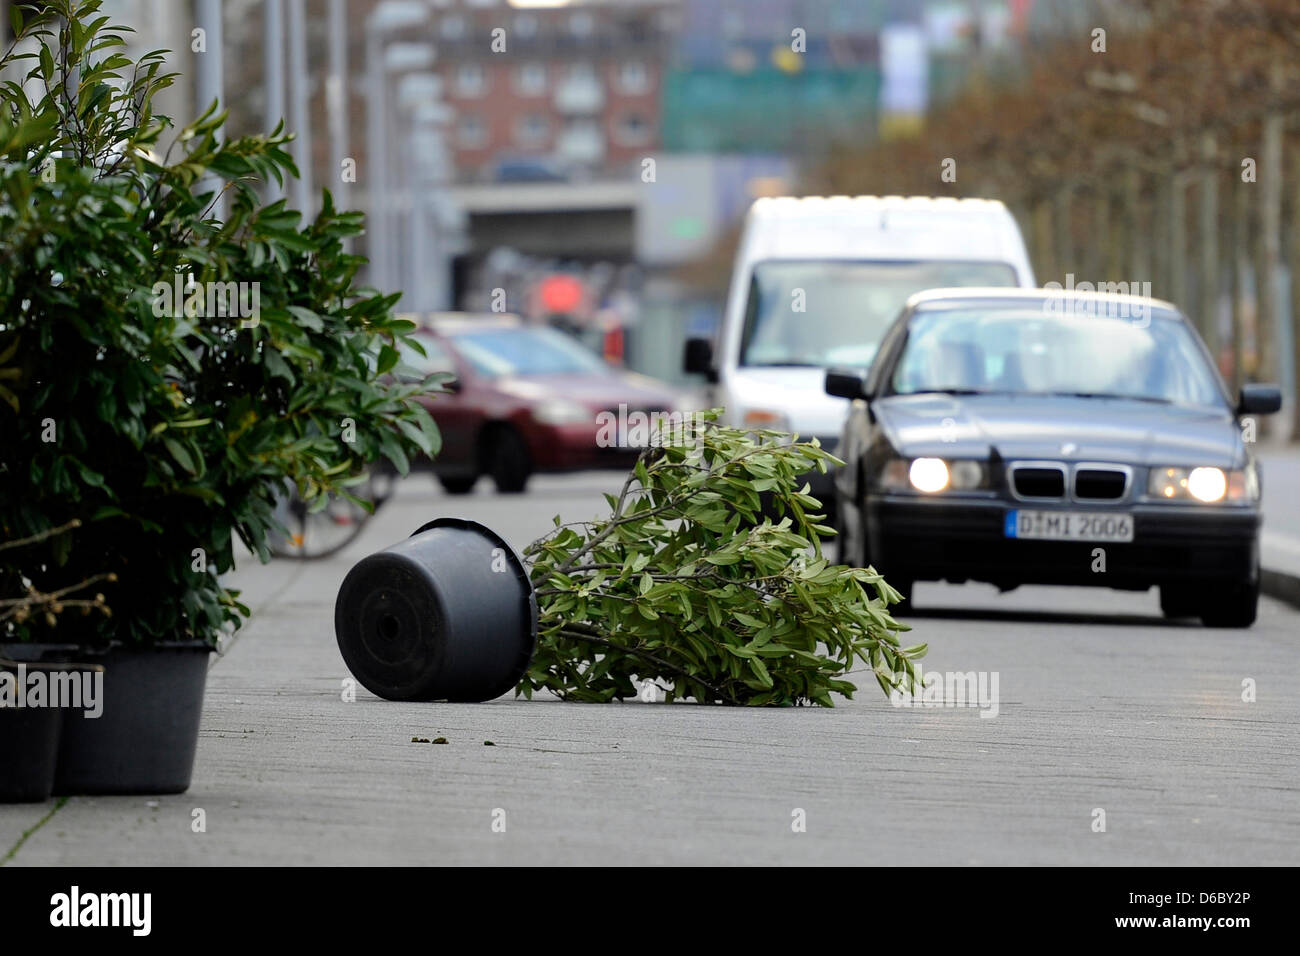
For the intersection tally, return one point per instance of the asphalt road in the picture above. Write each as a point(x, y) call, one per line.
point(1101, 706)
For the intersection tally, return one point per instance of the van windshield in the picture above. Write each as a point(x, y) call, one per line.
point(835, 313)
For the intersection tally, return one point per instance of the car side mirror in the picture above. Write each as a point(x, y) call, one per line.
point(1259, 400)
point(698, 358)
point(846, 383)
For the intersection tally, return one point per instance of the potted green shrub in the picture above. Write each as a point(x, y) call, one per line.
point(163, 374)
point(706, 581)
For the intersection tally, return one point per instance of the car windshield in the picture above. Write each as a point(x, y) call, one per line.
point(835, 313)
point(1032, 350)
point(523, 351)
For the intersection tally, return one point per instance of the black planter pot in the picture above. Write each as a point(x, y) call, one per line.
point(29, 736)
point(145, 738)
point(447, 614)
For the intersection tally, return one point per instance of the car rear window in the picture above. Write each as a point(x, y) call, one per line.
point(540, 351)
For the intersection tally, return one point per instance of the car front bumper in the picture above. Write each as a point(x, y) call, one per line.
point(935, 539)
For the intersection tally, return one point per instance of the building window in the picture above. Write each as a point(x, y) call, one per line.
point(581, 25)
point(632, 130)
point(581, 141)
point(452, 28)
point(471, 80)
point(471, 132)
point(582, 72)
point(532, 130)
point(525, 26)
point(633, 77)
point(530, 79)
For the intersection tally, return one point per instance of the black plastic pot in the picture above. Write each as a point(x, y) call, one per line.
point(144, 741)
point(447, 614)
point(29, 736)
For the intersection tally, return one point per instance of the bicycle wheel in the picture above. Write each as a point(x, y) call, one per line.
point(319, 534)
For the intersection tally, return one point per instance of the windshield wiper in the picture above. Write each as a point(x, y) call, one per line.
point(1129, 398)
point(793, 363)
point(958, 391)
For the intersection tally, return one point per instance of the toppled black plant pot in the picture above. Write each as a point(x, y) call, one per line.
point(144, 739)
point(447, 614)
point(29, 735)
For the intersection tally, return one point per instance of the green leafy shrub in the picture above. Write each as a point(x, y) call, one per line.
point(137, 435)
point(686, 583)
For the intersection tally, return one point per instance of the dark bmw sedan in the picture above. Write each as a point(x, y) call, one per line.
point(1038, 437)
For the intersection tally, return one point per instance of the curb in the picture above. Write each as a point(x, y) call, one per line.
point(1283, 585)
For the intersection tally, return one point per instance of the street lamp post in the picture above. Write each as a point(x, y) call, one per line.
point(299, 114)
point(208, 80)
point(386, 17)
point(337, 98)
point(273, 80)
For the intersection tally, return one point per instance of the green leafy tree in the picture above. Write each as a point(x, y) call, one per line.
point(138, 435)
point(691, 584)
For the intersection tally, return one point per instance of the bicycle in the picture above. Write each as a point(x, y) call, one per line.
point(313, 535)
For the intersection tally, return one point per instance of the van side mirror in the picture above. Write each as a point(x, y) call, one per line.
point(698, 358)
point(846, 383)
point(1259, 400)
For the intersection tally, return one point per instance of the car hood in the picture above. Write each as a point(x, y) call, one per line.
point(797, 393)
point(1060, 429)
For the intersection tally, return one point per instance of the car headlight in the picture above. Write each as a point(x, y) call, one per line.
point(766, 418)
point(928, 474)
point(562, 411)
point(1206, 484)
point(932, 475)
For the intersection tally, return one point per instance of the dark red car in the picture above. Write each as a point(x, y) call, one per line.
point(525, 398)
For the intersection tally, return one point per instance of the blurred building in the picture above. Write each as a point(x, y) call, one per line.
point(774, 76)
point(548, 93)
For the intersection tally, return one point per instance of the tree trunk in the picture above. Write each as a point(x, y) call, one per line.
point(1113, 258)
point(1178, 242)
point(1295, 294)
point(1270, 246)
point(1041, 237)
point(1205, 310)
point(1135, 228)
point(1239, 252)
point(1062, 240)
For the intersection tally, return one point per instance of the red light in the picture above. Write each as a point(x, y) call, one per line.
point(561, 293)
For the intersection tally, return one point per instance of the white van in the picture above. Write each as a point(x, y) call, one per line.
point(817, 280)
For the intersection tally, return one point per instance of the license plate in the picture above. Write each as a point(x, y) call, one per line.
point(1069, 526)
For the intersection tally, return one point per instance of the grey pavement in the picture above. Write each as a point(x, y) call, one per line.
point(1280, 538)
point(1103, 705)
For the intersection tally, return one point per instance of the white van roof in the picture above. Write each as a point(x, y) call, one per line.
point(880, 227)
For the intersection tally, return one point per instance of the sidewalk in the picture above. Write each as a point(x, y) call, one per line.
point(1280, 538)
point(1104, 704)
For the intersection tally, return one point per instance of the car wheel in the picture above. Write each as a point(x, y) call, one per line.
point(1232, 604)
point(1178, 600)
point(507, 461)
point(459, 485)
